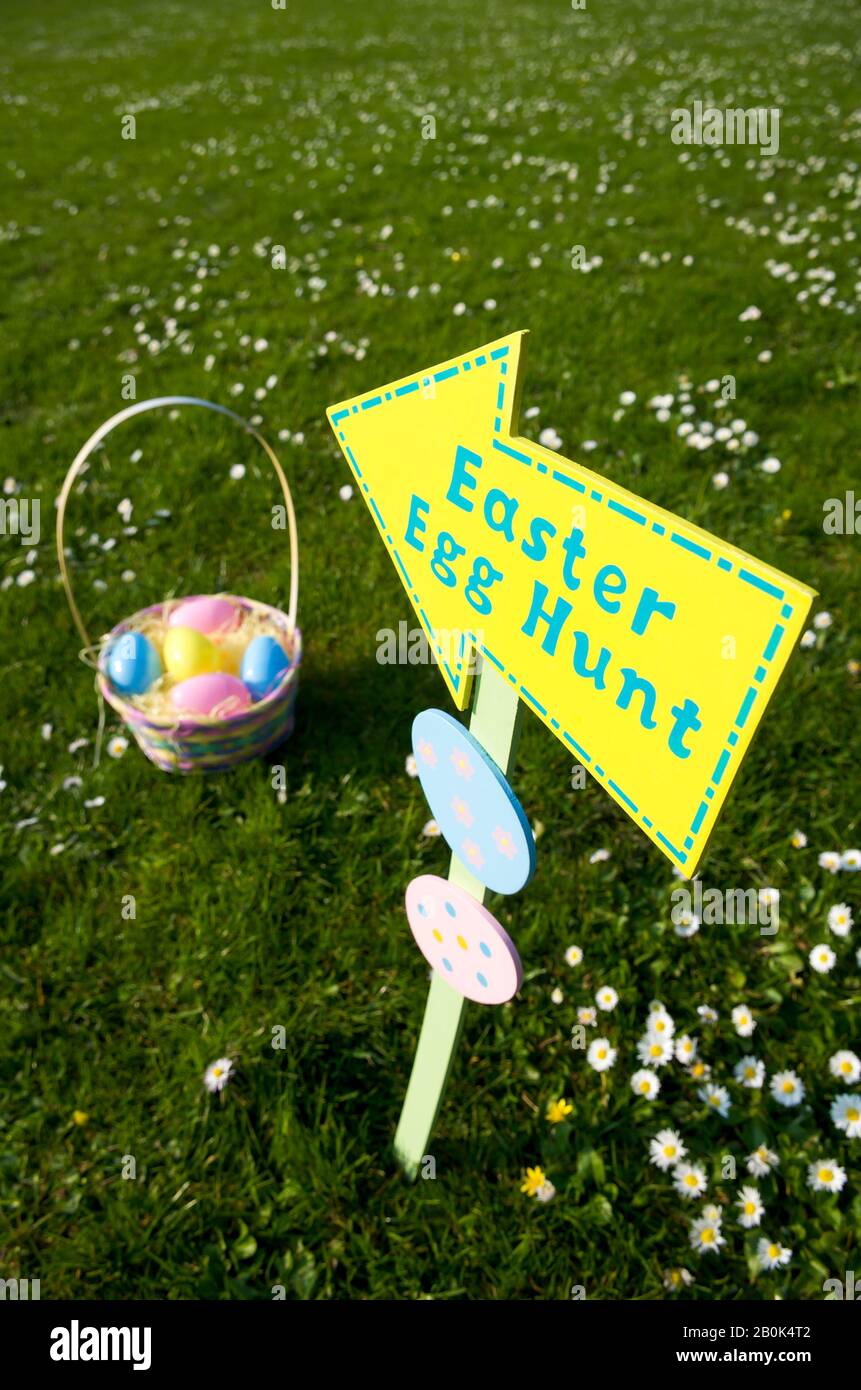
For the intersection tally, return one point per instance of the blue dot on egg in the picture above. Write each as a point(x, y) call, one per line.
point(481, 980)
point(451, 909)
point(447, 964)
point(484, 948)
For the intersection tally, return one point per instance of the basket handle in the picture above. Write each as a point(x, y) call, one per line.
point(138, 409)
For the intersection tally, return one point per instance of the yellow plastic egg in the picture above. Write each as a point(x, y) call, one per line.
point(189, 653)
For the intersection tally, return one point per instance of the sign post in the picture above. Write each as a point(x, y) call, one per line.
point(495, 722)
point(649, 647)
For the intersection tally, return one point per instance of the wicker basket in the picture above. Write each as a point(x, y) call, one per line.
point(199, 743)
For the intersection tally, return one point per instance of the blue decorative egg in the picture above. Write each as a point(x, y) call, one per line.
point(478, 814)
point(263, 666)
point(133, 663)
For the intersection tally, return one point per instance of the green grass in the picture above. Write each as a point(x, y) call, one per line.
point(302, 128)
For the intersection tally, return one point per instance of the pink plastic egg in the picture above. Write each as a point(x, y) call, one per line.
point(213, 616)
point(215, 694)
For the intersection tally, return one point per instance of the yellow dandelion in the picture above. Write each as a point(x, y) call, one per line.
point(533, 1179)
point(557, 1110)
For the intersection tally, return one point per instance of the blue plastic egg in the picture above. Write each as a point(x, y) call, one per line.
point(263, 665)
point(133, 663)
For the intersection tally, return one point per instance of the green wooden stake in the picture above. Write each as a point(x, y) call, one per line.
point(495, 722)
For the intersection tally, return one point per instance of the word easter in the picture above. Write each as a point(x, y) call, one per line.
point(566, 559)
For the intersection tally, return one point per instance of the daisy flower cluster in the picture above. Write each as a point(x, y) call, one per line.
point(664, 1051)
point(705, 420)
point(839, 922)
point(669, 1153)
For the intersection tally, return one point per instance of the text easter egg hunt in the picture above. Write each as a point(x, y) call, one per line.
point(649, 647)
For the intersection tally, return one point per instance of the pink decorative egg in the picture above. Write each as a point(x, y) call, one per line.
point(215, 694)
point(213, 616)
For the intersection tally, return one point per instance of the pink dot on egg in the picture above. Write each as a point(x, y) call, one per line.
point(462, 941)
point(215, 617)
point(215, 694)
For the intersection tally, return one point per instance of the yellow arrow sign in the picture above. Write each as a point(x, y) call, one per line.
point(648, 646)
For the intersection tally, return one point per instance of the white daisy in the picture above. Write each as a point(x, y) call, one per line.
point(587, 1017)
point(676, 1279)
point(846, 1066)
point(430, 829)
point(751, 1206)
point(826, 1176)
point(646, 1084)
point(706, 1235)
point(599, 856)
point(601, 1055)
point(655, 1052)
point(822, 959)
point(117, 746)
point(761, 1162)
point(411, 766)
point(829, 859)
point(750, 1072)
point(743, 1021)
point(707, 1013)
point(689, 1179)
point(771, 1254)
point(716, 1098)
point(846, 1115)
point(573, 955)
point(840, 919)
point(688, 925)
point(850, 860)
point(787, 1088)
point(217, 1074)
point(666, 1149)
point(659, 1024)
point(798, 840)
point(823, 621)
point(606, 998)
point(686, 1049)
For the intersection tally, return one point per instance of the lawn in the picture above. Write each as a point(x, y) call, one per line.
point(317, 200)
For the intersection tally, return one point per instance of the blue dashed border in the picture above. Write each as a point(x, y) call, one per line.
point(631, 514)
